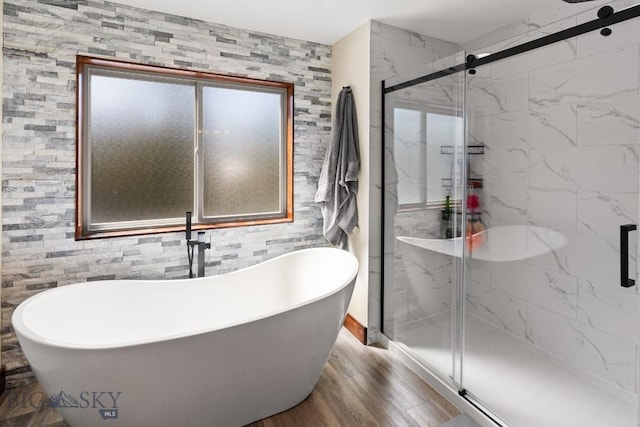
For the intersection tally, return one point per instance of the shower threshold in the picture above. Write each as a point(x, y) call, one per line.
point(523, 385)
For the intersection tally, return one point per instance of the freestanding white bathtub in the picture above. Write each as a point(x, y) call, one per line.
point(217, 351)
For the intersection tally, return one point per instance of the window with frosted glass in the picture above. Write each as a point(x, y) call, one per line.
point(138, 153)
point(443, 134)
point(410, 156)
point(242, 151)
point(422, 141)
point(154, 143)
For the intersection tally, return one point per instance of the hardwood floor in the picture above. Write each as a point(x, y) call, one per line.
point(26, 415)
point(360, 385)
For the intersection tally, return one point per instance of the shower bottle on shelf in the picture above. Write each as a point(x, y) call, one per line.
point(474, 233)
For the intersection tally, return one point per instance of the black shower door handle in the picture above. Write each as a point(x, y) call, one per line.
point(624, 255)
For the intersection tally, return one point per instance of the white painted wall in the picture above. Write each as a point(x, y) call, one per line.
point(350, 67)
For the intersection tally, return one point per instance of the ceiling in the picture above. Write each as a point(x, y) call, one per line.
point(326, 21)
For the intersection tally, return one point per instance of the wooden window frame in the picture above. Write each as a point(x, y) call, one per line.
point(82, 62)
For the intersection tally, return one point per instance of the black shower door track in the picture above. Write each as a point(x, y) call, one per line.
point(606, 18)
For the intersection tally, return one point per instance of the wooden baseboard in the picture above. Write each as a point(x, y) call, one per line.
point(3, 379)
point(358, 331)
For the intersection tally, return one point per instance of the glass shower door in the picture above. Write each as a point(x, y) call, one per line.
point(423, 176)
point(551, 336)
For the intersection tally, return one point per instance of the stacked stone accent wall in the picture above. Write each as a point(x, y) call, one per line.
point(41, 41)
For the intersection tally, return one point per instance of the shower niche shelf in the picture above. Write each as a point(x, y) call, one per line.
point(471, 183)
point(471, 149)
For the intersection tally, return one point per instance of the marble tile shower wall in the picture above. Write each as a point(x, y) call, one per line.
point(418, 283)
point(422, 280)
point(41, 40)
point(395, 52)
point(562, 131)
point(422, 284)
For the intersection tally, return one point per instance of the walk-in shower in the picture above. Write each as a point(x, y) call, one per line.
point(510, 184)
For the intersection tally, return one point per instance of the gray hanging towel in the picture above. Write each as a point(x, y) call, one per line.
point(338, 182)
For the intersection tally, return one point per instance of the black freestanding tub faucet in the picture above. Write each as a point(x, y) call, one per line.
point(191, 245)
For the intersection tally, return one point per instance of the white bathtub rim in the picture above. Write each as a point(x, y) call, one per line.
point(22, 329)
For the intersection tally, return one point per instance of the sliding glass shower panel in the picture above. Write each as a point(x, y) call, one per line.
point(551, 335)
point(424, 168)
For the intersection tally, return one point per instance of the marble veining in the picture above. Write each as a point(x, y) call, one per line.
point(613, 121)
point(608, 309)
point(498, 308)
point(599, 214)
point(585, 79)
point(594, 351)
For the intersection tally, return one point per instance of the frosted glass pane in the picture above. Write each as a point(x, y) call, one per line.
point(443, 130)
point(410, 156)
point(242, 146)
point(142, 136)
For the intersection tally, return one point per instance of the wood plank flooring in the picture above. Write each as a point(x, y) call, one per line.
point(360, 386)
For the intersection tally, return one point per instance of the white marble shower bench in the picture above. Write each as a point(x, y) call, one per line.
point(497, 244)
